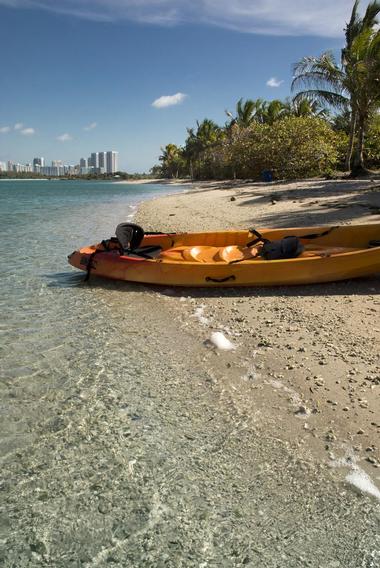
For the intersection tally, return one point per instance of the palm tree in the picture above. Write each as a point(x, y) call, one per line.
point(363, 69)
point(207, 135)
point(353, 85)
point(353, 29)
point(357, 25)
point(171, 158)
point(272, 111)
point(303, 107)
point(247, 112)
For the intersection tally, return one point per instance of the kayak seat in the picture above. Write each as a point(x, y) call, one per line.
point(192, 254)
point(235, 253)
point(201, 254)
point(173, 254)
point(210, 254)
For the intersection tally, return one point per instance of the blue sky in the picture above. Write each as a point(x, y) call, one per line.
point(80, 76)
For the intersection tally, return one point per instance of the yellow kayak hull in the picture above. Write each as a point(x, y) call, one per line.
point(189, 259)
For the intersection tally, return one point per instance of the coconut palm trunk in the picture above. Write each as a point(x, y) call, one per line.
point(350, 149)
point(358, 163)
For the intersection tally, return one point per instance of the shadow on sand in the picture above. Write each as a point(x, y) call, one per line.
point(357, 287)
point(344, 202)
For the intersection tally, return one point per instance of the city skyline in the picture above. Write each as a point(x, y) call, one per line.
point(98, 162)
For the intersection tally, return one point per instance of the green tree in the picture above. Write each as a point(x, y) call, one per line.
point(246, 112)
point(206, 136)
point(353, 85)
point(303, 107)
point(293, 147)
point(372, 144)
point(172, 161)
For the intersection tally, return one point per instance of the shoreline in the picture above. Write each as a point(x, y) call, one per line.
point(305, 350)
point(153, 181)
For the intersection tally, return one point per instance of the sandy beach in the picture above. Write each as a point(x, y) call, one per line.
point(309, 354)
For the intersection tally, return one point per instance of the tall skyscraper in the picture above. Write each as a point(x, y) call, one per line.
point(39, 162)
point(112, 162)
point(83, 163)
point(94, 160)
point(103, 161)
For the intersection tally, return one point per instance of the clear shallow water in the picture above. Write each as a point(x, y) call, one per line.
point(120, 445)
point(41, 223)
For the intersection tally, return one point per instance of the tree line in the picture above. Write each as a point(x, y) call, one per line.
point(332, 121)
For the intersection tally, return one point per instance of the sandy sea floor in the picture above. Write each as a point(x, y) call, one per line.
point(170, 453)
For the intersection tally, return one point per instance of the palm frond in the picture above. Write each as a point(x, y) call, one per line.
point(370, 16)
point(317, 71)
point(353, 26)
point(323, 97)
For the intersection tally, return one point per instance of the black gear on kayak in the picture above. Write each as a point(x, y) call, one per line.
point(129, 236)
point(288, 247)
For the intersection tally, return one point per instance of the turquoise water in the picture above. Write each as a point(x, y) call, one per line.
point(41, 223)
point(120, 444)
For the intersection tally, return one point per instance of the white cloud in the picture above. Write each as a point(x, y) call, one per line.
point(273, 82)
point(64, 137)
point(18, 126)
point(5, 129)
point(169, 100)
point(268, 17)
point(28, 131)
point(91, 126)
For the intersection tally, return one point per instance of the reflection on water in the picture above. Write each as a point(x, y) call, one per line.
point(120, 445)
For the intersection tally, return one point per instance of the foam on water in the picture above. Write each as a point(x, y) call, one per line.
point(357, 476)
point(362, 481)
point(221, 341)
point(199, 315)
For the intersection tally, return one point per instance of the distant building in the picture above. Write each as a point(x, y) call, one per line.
point(38, 162)
point(52, 171)
point(19, 168)
point(83, 163)
point(3, 167)
point(10, 166)
point(103, 161)
point(112, 162)
point(69, 170)
point(94, 159)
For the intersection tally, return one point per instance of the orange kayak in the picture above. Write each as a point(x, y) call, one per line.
point(224, 258)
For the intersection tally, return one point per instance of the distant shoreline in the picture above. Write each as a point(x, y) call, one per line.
point(152, 181)
point(24, 179)
point(159, 181)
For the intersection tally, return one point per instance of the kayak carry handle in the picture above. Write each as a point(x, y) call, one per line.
point(226, 279)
